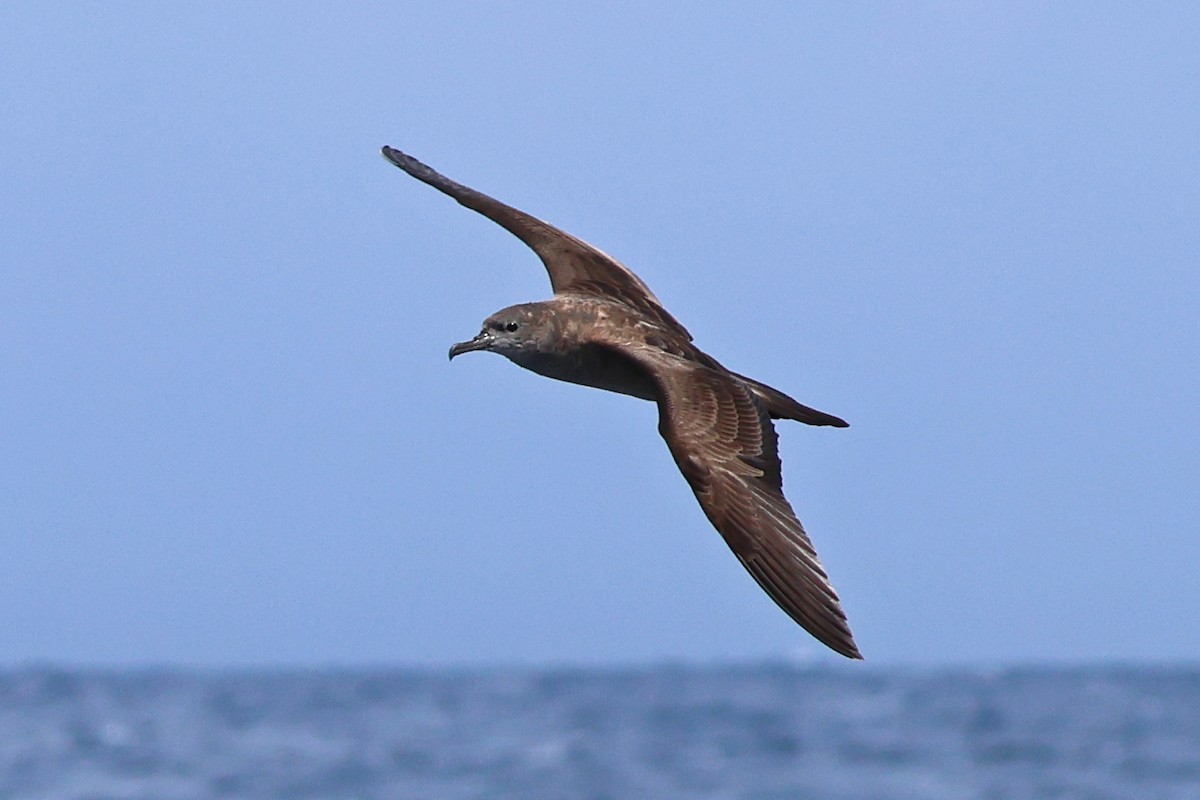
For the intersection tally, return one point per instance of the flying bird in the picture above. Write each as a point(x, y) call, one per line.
point(604, 328)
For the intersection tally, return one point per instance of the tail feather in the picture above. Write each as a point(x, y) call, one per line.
point(780, 406)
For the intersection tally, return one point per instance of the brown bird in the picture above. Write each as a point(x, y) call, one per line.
point(605, 328)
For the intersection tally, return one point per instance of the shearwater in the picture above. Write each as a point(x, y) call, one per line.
point(605, 328)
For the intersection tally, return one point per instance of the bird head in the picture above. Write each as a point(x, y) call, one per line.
point(512, 332)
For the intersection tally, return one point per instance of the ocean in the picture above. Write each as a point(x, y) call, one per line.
point(768, 731)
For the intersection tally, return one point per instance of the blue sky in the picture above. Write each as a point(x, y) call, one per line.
point(231, 435)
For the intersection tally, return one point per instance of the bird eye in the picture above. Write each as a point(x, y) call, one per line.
point(511, 327)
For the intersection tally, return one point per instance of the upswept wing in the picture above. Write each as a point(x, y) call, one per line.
point(575, 267)
point(722, 438)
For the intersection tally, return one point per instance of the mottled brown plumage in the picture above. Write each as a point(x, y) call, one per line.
point(605, 328)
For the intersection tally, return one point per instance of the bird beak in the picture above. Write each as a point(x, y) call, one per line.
point(481, 342)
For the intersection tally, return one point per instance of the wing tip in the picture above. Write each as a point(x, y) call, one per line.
point(400, 159)
point(414, 167)
point(846, 648)
point(840, 640)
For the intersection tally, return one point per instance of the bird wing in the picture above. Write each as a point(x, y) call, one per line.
point(573, 264)
point(722, 438)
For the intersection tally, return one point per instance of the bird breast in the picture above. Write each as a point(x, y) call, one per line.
point(593, 365)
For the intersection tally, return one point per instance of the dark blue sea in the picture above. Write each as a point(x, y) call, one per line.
point(766, 731)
